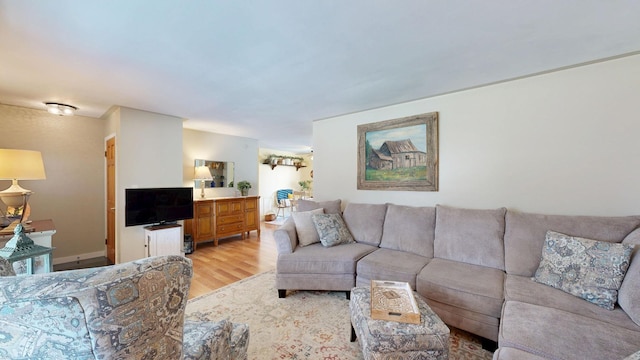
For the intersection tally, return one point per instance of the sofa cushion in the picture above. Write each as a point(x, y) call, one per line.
point(365, 221)
point(410, 229)
point(557, 334)
point(589, 269)
point(470, 236)
point(524, 289)
point(317, 259)
point(509, 353)
point(330, 207)
point(385, 264)
point(331, 229)
point(630, 290)
point(306, 230)
point(525, 235)
point(467, 286)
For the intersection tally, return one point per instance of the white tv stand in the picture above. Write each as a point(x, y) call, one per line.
point(163, 239)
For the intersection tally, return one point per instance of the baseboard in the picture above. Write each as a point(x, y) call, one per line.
point(68, 259)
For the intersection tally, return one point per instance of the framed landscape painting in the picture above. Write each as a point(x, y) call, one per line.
point(399, 154)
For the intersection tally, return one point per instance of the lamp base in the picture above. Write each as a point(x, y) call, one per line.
point(13, 195)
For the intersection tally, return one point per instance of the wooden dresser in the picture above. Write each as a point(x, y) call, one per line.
point(222, 217)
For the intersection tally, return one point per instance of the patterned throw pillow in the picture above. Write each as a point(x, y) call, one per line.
point(589, 269)
point(332, 229)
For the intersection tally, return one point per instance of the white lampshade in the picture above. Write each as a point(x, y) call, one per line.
point(202, 173)
point(19, 165)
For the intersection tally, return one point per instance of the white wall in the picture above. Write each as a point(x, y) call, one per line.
point(148, 154)
point(73, 193)
point(243, 152)
point(281, 177)
point(559, 143)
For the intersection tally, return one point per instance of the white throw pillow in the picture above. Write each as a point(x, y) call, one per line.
point(307, 233)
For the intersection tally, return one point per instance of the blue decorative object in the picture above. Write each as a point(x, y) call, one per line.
point(21, 247)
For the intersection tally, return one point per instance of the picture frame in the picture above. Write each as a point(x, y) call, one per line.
point(399, 154)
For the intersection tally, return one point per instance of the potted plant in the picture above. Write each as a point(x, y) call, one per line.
point(244, 187)
point(304, 184)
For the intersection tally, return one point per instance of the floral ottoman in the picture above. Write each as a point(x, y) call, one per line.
point(382, 339)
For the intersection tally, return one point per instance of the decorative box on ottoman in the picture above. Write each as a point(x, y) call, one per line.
point(383, 339)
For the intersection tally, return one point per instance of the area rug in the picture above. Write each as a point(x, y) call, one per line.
point(278, 220)
point(304, 325)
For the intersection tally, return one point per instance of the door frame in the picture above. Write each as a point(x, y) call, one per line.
point(114, 260)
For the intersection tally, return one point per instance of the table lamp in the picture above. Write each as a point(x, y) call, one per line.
point(19, 165)
point(203, 174)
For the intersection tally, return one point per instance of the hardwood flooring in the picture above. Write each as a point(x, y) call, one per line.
point(232, 260)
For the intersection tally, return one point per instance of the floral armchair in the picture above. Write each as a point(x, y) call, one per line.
point(133, 310)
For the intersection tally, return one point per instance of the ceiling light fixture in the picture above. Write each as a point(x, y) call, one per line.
point(60, 109)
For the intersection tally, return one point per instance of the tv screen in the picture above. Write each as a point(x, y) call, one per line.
point(157, 205)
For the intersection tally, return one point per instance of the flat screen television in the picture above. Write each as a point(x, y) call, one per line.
point(157, 205)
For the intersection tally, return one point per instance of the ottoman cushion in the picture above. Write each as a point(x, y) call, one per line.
point(381, 338)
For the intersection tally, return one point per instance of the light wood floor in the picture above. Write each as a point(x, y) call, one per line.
point(232, 260)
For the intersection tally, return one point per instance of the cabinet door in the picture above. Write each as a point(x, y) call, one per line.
point(164, 242)
point(252, 220)
point(203, 221)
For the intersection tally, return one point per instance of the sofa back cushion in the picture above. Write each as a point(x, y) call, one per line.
point(330, 207)
point(365, 222)
point(471, 236)
point(630, 290)
point(525, 235)
point(410, 229)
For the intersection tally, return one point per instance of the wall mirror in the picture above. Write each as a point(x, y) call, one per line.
point(221, 173)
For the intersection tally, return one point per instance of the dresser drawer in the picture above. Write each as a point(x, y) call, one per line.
point(229, 207)
point(230, 219)
point(227, 229)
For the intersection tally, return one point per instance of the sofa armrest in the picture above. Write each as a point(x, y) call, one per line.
point(131, 310)
point(207, 340)
point(286, 237)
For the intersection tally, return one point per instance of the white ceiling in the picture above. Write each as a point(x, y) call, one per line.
point(267, 69)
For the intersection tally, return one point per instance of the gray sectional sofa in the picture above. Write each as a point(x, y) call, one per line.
point(476, 270)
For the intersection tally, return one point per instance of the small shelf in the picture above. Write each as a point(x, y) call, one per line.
point(273, 166)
